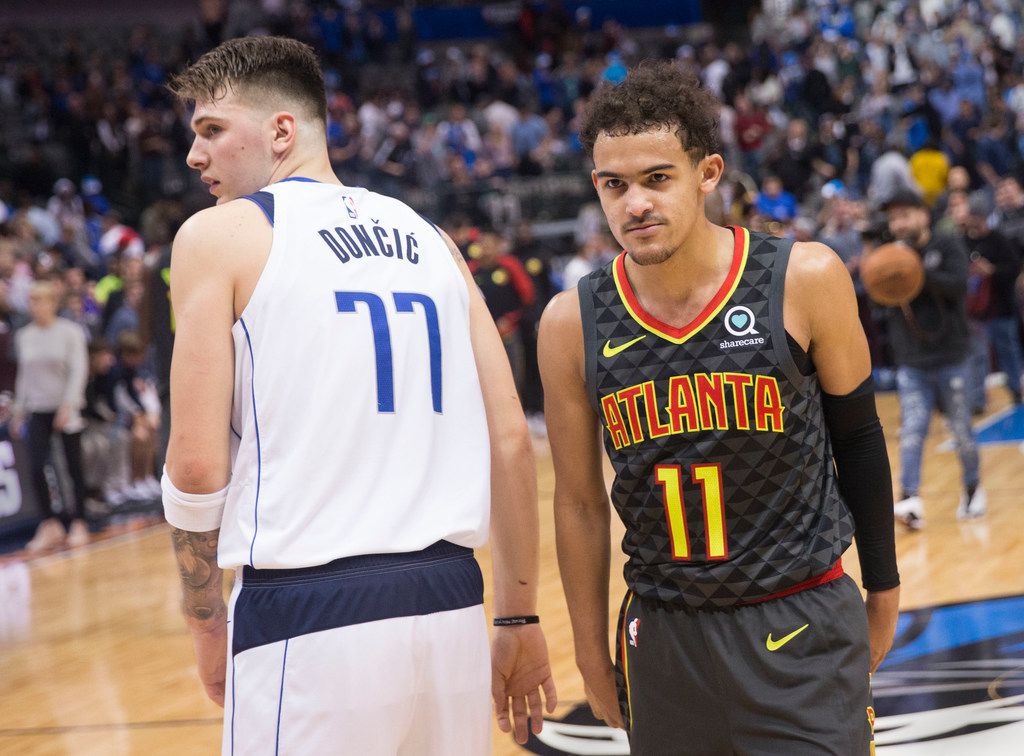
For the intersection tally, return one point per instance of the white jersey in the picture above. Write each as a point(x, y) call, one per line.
point(358, 421)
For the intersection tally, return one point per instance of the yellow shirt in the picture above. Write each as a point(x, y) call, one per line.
point(930, 169)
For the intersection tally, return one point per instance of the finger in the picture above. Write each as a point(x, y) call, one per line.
point(550, 694)
point(519, 719)
point(500, 704)
point(615, 720)
point(536, 710)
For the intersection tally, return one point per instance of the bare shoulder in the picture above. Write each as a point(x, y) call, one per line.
point(815, 272)
point(562, 316)
point(221, 234)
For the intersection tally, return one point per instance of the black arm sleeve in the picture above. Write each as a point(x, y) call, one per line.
point(865, 481)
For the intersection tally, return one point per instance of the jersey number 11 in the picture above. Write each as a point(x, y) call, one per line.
point(709, 476)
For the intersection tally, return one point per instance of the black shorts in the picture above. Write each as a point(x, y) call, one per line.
point(786, 676)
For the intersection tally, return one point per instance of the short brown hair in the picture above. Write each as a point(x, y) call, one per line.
point(274, 65)
point(655, 95)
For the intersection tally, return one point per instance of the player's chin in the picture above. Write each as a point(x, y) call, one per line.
point(652, 254)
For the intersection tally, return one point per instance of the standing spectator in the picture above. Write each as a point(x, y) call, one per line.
point(50, 394)
point(534, 256)
point(929, 341)
point(509, 294)
point(995, 263)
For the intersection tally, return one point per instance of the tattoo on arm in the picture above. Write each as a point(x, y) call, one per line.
point(201, 578)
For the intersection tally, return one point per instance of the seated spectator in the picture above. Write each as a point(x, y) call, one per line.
point(138, 405)
point(104, 440)
point(775, 202)
point(930, 168)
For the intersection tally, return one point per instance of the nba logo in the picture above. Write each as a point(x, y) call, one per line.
point(350, 205)
point(634, 628)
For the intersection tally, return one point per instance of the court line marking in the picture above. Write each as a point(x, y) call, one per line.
point(949, 444)
point(156, 724)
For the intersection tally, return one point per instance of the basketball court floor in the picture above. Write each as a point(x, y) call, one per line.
point(95, 658)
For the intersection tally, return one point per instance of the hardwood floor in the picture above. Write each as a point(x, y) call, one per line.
point(95, 659)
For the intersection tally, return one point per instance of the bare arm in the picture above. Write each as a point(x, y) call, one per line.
point(519, 655)
point(821, 313)
point(515, 530)
point(582, 510)
point(204, 257)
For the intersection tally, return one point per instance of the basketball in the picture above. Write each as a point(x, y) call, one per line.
point(892, 274)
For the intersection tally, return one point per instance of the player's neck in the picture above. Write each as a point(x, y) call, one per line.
point(316, 166)
point(700, 264)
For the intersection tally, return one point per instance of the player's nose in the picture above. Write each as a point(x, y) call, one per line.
point(197, 158)
point(638, 201)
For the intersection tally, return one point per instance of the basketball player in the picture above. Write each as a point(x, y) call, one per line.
point(725, 370)
point(341, 403)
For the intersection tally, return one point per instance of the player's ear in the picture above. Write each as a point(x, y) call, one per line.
point(711, 170)
point(283, 125)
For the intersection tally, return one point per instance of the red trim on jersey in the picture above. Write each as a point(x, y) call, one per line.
point(725, 291)
point(826, 577)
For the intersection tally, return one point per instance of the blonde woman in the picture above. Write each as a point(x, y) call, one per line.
point(49, 396)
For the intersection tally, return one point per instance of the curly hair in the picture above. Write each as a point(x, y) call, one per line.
point(260, 66)
point(655, 95)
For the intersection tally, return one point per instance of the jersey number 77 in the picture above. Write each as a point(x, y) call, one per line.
point(404, 301)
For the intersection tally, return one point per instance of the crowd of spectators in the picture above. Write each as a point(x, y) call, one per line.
point(828, 110)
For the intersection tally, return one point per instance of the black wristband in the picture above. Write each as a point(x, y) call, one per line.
point(527, 619)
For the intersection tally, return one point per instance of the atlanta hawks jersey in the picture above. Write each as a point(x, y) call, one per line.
point(357, 415)
point(723, 469)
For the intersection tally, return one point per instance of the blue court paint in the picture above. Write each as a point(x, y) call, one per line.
point(949, 627)
point(1002, 428)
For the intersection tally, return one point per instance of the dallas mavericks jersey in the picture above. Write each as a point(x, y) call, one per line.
point(357, 416)
point(723, 468)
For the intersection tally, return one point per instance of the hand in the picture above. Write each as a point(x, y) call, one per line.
point(602, 694)
point(981, 266)
point(61, 418)
point(210, 641)
point(519, 666)
point(883, 609)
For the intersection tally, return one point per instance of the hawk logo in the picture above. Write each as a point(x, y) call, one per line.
point(634, 630)
point(350, 206)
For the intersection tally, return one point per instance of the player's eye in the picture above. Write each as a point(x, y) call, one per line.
point(657, 178)
point(613, 183)
point(211, 130)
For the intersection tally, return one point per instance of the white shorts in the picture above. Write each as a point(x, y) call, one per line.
point(383, 654)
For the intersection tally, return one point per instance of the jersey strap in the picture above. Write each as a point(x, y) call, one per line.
point(265, 200)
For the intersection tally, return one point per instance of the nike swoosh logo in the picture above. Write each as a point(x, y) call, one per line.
point(775, 645)
point(610, 351)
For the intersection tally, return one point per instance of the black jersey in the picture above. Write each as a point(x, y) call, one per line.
point(723, 469)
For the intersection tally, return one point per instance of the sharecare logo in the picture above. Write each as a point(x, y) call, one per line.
point(741, 342)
